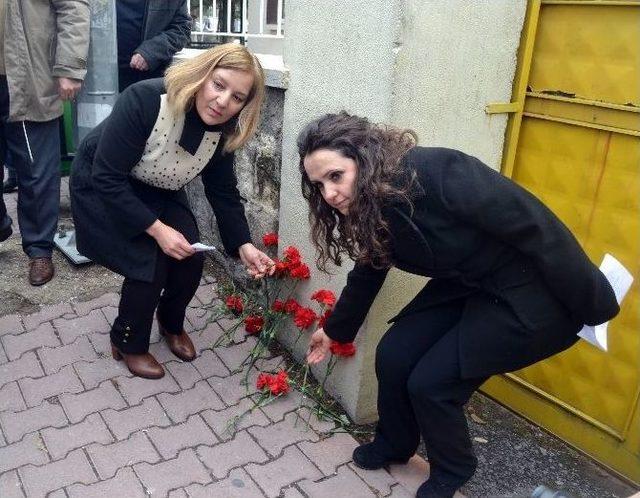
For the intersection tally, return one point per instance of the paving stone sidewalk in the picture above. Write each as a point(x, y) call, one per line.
point(75, 423)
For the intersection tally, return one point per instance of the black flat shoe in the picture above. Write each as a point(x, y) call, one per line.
point(371, 456)
point(435, 489)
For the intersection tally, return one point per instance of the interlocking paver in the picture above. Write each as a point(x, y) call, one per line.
point(277, 410)
point(275, 437)
point(108, 459)
point(110, 313)
point(29, 450)
point(38, 481)
point(108, 299)
point(36, 390)
point(345, 484)
point(78, 406)
point(209, 365)
point(11, 324)
point(204, 339)
point(124, 422)
point(227, 422)
point(26, 366)
point(179, 406)
point(234, 356)
point(238, 485)
point(93, 373)
point(69, 330)
point(10, 485)
point(3, 355)
point(230, 388)
point(379, 480)
point(242, 449)
point(184, 372)
point(55, 358)
point(198, 317)
point(11, 398)
point(161, 352)
point(292, 492)
point(171, 440)
point(46, 314)
point(179, 472)
point(101, 343)
point(125, 484)
point(135, 389)
point(17, 424)
point(16, 345)
point(331, 452)
point(290, 467)
point(60, 441)
point(206, 294)
point(58, 493)
point(412, 474)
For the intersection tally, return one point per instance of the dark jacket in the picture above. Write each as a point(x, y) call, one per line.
point(475, 231)
point(112, 210)
point(166, 29)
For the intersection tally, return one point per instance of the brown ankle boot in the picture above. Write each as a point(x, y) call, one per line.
point(180, 345)
point(140, 365)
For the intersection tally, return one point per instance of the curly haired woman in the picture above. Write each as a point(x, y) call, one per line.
point(509, 286)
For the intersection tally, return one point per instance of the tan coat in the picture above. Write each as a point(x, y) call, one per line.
point(44, 40)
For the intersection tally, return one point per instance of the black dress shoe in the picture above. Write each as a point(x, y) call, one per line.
point(435, 489)
point(9, 186)
point(372, 456)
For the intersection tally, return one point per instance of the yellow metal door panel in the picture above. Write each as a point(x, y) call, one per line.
point(574, 141)
point(588, 50)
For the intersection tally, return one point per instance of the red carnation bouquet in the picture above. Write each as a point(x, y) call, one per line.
point(262, 312)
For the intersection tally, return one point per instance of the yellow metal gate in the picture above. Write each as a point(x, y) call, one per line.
point(574, 140)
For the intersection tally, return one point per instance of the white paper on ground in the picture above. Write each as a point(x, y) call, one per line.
point(620, 280)
point(199, 247)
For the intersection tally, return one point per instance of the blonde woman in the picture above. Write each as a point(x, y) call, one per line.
point(130, 210)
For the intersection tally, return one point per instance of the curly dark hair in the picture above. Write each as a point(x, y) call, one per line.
point(363, 234)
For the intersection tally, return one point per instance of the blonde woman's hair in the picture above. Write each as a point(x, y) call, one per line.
point(184, 79)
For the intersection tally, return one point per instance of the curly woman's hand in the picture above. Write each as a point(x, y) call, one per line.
point(258, 264)
point(319, 344)
point(172, 242)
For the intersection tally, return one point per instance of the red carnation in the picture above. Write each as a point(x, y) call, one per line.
point(278, 306)
point(270, 239)
point(292, 255)
point(234, 303)
point(291, 305)
point(300, 271)
point(304, 318)
point(277, 384)
point(253, 324)
point(323, 318)
point(324, 296)
point(343, 348)
point(263, 380)
point(281, 268)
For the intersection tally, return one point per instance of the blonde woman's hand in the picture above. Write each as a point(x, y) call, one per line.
point(258, 264)
point(170, 241)
point(319, 345)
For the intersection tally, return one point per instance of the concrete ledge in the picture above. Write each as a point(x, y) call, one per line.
point(277, 75)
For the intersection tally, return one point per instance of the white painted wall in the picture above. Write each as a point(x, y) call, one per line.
point(431, 65)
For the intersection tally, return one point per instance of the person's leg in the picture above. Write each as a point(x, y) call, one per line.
point(10, 184)
point(5, 220)
point(438, 395)
point(35, 148)
point(183, 278)
point(397, 434)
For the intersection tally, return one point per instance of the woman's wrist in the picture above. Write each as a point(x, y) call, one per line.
point(154, 228)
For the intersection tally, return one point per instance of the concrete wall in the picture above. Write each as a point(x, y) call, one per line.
point(429, 65)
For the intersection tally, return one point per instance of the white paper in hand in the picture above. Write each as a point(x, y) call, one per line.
point(200, 247)
point(620, 280)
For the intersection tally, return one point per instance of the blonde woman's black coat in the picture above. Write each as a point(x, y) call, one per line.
point(112, 210)
point(528, 285)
